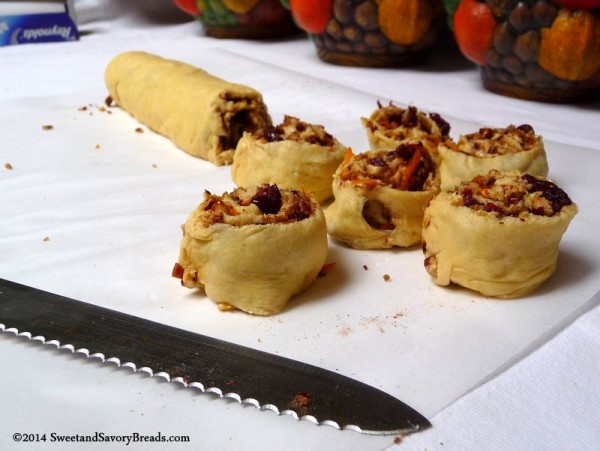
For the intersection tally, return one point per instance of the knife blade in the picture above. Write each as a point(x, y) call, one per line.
point(268, 381)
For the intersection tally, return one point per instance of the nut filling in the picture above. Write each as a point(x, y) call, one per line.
point(400, 124)
point(489, 142)
point(240, 115)
point(511, 194)
point(266, 204)
point(293, 129)
point(409, 167)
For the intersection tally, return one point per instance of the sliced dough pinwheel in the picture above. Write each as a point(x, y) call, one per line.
point(389, 126)
point(293, 154)
point(380, 196)
point(253, 248)
point(202, 114)
point(503, 149)
point(498, 234)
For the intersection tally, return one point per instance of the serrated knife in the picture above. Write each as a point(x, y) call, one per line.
point(248, 375)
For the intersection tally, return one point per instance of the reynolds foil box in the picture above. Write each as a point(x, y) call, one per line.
point(28, 22)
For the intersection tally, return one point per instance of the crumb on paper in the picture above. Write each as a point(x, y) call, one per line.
point(397, 440)
point(345, 331)
point(398, 314)
point(91, 106)
point(154, 165)
point(8, 166)
point(139, 130)
point(47, 127)
point(365, 267)
point(387, 277)
point(97, 146)
point(46, 238)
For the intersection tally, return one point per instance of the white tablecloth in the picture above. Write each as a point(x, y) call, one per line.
point(547, 398)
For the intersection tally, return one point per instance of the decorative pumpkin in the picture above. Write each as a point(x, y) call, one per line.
point(570, 48)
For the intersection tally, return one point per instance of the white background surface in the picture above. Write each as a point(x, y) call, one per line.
point(547, 400)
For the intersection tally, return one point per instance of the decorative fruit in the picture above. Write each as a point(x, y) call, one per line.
point(240, 6)
point(474, 25)
point(415, 17)
point(584, 5)
point(450, 7)
point(570, 48)
point(266, 13)
point(311, 15)
point(215, 14)
point(188, 6)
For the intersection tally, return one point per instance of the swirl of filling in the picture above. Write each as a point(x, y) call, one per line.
point(294, 129)
point(265, 204)
point(489, 142)
point(511, 194)
point(409, 167)
point(391, 125)
point(503, 149)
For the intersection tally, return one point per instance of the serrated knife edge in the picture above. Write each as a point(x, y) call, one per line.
point(272, 377)
point(177, 379)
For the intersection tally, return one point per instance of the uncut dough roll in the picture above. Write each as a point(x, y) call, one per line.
point(293, 154)
point(503, 149)
point(389, 126)
point(202, 114)
point(380, 196)
point(498, 234)
point(253, 248)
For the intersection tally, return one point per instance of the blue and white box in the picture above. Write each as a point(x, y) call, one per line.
point(29, 22)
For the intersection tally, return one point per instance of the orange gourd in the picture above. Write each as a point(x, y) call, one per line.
point(570, 48)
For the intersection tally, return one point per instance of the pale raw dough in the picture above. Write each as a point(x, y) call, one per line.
point(255, 266)
point(503, 257)
point(290, 163)
point(202, 114)
point(463, 160)
point(379, 216)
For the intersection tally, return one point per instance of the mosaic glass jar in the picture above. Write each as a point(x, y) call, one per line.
point(544, 50)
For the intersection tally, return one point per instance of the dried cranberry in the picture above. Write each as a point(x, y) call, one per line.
point(467, 196)
point(486, 132)
point(268, 199)
point(272, 133)
point(492, 207)
point(525, 128)
point(441, 123)
point(557, 197)
point(377, 161)
point(404, 151)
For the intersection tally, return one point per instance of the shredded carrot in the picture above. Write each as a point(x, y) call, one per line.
point(348, 156)
point(411, 168)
